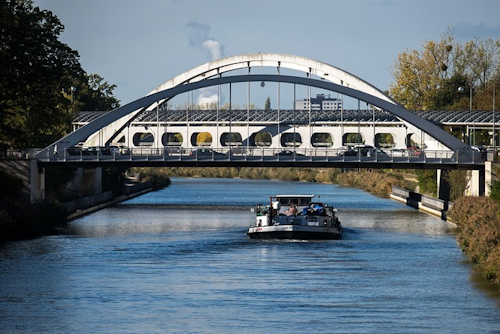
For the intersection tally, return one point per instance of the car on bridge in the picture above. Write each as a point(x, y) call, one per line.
point(103, 150)
point(361, 150)
point(364, 151)
point(398, 152)
point(288, 153)
point(204, 152)
point(77, 151)
point(414, 152)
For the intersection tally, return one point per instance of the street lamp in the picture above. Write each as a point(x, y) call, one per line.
point(72, 89)
point(461, 89)
point(494, 138)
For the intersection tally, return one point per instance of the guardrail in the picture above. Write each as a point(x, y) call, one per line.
point(435, 206)
point(240, 153)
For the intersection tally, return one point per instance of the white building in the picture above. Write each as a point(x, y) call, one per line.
point(320, 102)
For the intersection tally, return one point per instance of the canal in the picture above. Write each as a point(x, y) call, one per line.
point(179, 261)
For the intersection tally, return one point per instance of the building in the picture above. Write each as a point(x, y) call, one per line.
point(320, 102)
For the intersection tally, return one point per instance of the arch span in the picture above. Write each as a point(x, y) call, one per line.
point(311, 67)
point(440, 135)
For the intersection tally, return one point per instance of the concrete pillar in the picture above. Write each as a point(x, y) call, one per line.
point(98, 181)
point(488, 178)
point(37, 182)
point(476, 185)
point(92, 181)
point(443, 188)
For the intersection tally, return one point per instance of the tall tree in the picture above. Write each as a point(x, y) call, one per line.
point(267, 104)
point(97, 94)
point(42, 84)
point(36, 66)
point(429, 79)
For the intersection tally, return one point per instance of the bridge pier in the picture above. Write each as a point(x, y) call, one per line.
point(443, 188)
point(477, 182)
point(87, 182)
point(488, 177)
point(37, 182)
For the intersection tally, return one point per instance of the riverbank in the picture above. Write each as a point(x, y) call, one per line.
point(20, 219)
point(427, 204)
point(478, 234)
point(89, 204)
point(376, 182)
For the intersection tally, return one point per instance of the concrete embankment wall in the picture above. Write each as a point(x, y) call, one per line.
point(430, 205)
point(89, 204)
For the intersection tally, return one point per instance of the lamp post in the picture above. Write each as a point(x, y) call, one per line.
point(461, 89)
point(494, 138)
point(73, 88)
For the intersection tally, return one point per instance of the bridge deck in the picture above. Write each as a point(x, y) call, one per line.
point(263, 157)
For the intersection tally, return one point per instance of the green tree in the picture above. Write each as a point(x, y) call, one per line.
point(262, 138)
point(35, 68)
point(267, 105)
point(457, 180)
point(97, 94)
point(430, 78)
point(204, 137)
point(37, 73)
point(427, 181)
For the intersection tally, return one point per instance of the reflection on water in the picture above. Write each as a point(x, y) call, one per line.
point(158, 220)
point(179, 261)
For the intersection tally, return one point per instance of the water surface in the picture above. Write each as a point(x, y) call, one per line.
point(179, 261)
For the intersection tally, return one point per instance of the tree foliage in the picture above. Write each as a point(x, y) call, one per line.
point(430, 78)
point(458, 181)
point(267, 104)
point(96, 94)
point(36, 66)
point(204, 137)
point(36, 76)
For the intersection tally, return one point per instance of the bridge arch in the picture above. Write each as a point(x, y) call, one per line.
point(311, 67)
point(209, 74)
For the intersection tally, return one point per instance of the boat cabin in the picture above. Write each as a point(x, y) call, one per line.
point(291, 204)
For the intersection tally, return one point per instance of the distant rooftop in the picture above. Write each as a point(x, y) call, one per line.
point(294, 116)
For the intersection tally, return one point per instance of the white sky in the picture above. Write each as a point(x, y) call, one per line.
point(140, 44)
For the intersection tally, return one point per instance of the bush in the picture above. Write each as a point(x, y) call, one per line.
point(157, 176)
point(427, 181)
point(478, 234)
point(11, 186)
point(377, 182)
point(23, 220)
point(457, 180)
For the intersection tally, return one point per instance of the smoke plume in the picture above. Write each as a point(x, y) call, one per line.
point(199, 37)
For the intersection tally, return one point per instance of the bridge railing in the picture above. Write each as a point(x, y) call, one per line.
point(242, 153)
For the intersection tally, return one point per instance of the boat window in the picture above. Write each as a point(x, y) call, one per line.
point(294, 200)
point(284, 201)
point(305, 201)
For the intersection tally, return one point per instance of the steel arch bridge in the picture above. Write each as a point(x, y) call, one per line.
point(318, 74)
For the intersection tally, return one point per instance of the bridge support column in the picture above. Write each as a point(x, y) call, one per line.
point(37, 182)
point(98, 181)
point(476, 186)
point(488, 178)
point(91, 181)
point(443, 188)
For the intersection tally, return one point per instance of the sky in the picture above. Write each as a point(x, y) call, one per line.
point(140, 44)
